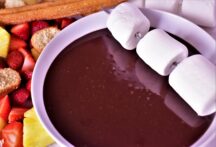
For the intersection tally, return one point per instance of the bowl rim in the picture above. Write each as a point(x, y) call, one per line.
point(95, 22)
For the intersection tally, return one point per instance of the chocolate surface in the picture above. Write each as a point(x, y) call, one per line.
point(98, 94)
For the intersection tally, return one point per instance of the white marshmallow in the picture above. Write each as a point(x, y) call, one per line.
point(125, 22)
point(194, 79)
point(161, 52)
point(201, 12)
point(138, 3)
point(164, 5)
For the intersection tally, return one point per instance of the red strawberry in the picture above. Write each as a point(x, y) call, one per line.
point(57, 22)
point(16, 43)
point(12, 135)
point(65, 22)
point(28, 85)
point(20, 96)
point(15, 60)
point(3, 123)
point(27, 75)
point(38, 25)
point(4, 107)
point(28, 104)
point(29, 62)
point(21, 30)
point(2, 63)
point(16, 114)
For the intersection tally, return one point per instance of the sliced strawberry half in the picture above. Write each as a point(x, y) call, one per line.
point(4, 107)
point(4, 112)
point(16, 43)
point(21, 30)
point(66, 22)
point(12, 135)
point(16, 114)
point(28, 85)
point(29, 62)
point(15, 60)
point(38, 25)
point(20, 96)
point(26, 75)
point(28, 104)
point(3, 123)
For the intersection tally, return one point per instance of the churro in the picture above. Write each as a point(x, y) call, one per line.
point(54, 10)
point(45, 4)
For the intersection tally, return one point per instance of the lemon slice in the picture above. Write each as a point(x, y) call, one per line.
point(4, 42)
point(34, 133)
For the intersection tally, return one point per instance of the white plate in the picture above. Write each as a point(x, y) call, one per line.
point(173, 24)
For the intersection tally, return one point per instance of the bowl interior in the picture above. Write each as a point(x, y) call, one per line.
point(96, 22)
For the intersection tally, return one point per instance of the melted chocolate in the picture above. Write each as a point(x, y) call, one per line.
point(98, 94)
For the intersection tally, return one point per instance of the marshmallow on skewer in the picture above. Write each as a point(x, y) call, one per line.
point(201, 12)
point(161, 52)
point(138, 3)
point(194, 79)
point(165, 5)
point(128, 25)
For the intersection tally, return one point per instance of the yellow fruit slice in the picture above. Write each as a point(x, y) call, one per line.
point(34, 135)
point(30, 114)
point(4, 42)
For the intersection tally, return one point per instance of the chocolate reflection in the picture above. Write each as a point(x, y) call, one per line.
point(143, 77)
point(123, 61)
point(150, 79)
point(176, 104)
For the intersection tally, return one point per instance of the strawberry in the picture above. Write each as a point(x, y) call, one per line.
point(4, 107)
point(21, 30)
point(28, 104)
point(12, 135)
point(15, 60)
point(28, 85)
point(4, 112)
point(3, 123)
point(2, 63)
point(16, 114)
point(20, 95)
point(57, 22)
point(38, 25)
point(16, 43)
point(26, 75)
point(29, 62)
point(65, 22)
